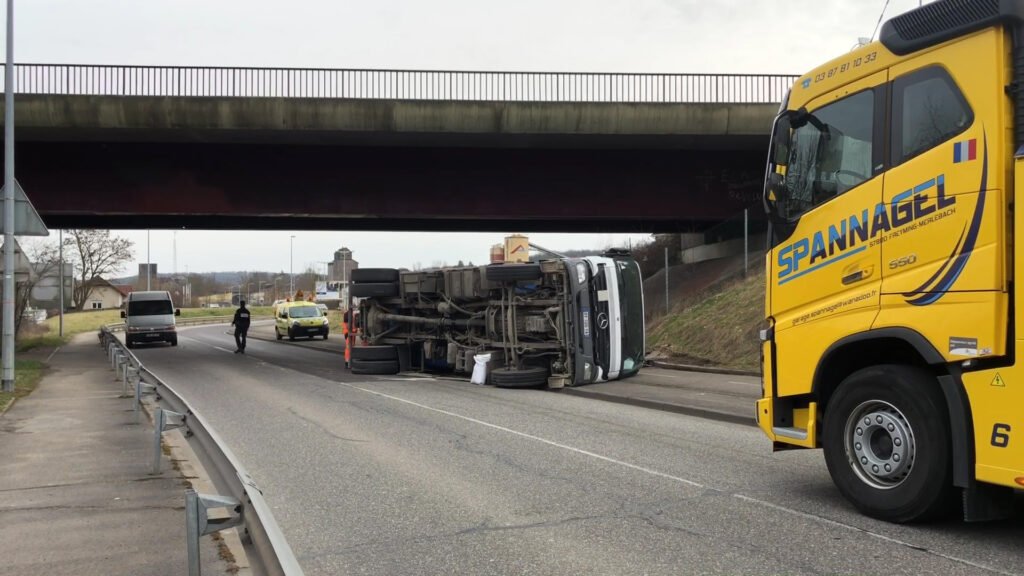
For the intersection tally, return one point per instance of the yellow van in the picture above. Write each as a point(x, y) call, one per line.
point(299, 319)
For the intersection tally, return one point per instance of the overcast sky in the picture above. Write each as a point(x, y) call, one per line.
point(671, 36)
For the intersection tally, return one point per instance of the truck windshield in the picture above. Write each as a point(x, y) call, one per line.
point(149, 307)
point(830, 152)
point(304, 312)
point(631, 297)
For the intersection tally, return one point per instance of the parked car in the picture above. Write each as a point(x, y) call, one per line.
point(300, 320)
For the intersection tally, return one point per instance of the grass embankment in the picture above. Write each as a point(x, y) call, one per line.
point(27, 374)
point(718, 329)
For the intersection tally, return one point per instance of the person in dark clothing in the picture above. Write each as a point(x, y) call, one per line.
point(241, 324)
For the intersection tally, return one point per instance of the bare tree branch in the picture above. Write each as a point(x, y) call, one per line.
point(95, 253)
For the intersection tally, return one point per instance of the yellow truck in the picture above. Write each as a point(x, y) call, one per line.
point(892, 324)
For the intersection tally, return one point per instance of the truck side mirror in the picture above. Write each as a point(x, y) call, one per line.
point(123, 314)
point(177, 311)
point(781, 139)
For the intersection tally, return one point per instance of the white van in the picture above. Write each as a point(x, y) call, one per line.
point(149, 317)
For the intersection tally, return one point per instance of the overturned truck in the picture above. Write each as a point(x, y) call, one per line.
point(559, 322)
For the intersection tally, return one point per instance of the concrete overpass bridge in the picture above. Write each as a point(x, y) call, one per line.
point(202, 147)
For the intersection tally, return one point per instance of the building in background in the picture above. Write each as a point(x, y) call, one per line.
point(105, 295)
point(46, 292)
point(140, 281)
point(334, 290)
point(340, 269)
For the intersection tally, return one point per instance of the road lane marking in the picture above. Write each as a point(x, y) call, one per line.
point(743, 383)
point(535, 438)
point(741, 497)
point(52, 353)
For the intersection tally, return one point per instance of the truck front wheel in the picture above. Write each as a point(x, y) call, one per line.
point(526, 377)
point(887, 443)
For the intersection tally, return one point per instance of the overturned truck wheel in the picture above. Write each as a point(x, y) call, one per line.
point(512, 272)
point(375, 353)
point(524, 378)
point(362, 275)
point(374, 367)
point(374, 290)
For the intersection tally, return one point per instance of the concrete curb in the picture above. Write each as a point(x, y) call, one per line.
point(665, 407)
point(706, 369)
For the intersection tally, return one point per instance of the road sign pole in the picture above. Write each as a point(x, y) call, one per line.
point(667, 307)
point(60, 248)
point(7, 347)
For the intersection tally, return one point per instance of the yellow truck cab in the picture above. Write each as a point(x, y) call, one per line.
point(299, 320)
point(891, 337)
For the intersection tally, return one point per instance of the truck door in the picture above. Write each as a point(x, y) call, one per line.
point(825, 263)
point(945, 190)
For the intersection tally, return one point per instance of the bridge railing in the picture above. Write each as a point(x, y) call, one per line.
point(201, 81)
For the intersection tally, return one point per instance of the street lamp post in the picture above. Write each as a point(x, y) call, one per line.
point(344, 282)
point(7, 343)
point(291, 266)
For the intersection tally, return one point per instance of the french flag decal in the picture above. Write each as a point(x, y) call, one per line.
point(965, 151)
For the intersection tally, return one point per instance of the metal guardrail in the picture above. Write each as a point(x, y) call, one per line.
point(270, 553)
point(206, 81)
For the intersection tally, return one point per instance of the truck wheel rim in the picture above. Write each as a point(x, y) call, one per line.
point(880, 444)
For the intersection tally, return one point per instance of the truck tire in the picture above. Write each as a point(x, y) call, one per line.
point(375, 353)
point(512, 272)
point(887, 443)
point(525, 378)
point(375, 367)
point(364, 275)
point(374, 290)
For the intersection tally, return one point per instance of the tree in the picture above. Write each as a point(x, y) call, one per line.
point(95, 253)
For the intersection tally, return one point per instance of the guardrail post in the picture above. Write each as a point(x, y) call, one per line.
point(165, 420)
point(198, 523)
point(139, 387)
point(124, 378)
point(192, 531)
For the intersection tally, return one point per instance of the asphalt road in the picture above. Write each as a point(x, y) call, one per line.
point(397, 475)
